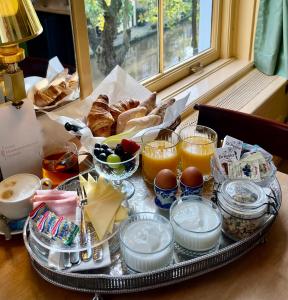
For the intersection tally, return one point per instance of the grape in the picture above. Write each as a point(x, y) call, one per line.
point(126, 156)
point(112, 159)
point(97, 145)
point(119, 150)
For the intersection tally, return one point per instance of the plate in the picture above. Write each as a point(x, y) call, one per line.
point(13, 232)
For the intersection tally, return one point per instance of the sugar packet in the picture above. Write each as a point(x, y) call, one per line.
point(223, 157)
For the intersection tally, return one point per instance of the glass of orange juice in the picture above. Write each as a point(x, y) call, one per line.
point(198, 144)
point(159, 151)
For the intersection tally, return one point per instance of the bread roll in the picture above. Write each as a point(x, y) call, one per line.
point(121, 106)
point(127, 115)
point(161, 109)
point(144, 122)
point(149, 103)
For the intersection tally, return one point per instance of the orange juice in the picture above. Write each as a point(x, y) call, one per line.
point(156, 156)
point(197, 151)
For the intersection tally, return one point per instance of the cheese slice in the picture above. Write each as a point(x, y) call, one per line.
point(90, 179)
point(121, 214)
point(111, 225)
point(101, 214)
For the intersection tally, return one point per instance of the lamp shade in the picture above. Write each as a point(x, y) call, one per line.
point(18, 22)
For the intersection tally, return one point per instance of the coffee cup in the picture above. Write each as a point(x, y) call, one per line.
point(16, 192)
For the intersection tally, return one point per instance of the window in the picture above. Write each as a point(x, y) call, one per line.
point(151, 39)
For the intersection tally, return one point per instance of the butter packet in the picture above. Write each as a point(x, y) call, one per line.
point(223, 157)
point(236, 144)
point(244, 170)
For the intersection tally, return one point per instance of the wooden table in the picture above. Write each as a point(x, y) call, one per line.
point(260, 274)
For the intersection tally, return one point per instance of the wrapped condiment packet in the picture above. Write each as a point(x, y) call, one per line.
point(234, 143)
point(53, 226)
point(264, 166)
point(244, 170)
point(223, 157)
point(256, 148)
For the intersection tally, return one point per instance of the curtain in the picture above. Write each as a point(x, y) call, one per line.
point(271, 39)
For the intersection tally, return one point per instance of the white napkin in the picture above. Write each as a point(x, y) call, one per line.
point(57, 259)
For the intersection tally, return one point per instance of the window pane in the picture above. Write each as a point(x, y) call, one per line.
point(187, 29)
point(123, 32)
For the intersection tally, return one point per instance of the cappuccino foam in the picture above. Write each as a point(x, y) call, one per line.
point(18, 187)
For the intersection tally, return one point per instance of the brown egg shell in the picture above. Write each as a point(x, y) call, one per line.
point(166, 179)
point(192, 177)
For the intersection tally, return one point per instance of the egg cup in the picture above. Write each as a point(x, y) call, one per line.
point(165, 197)
point(187, 190)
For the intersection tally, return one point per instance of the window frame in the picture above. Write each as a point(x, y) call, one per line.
point(231, 36)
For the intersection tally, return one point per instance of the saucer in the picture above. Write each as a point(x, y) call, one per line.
point(14, 232)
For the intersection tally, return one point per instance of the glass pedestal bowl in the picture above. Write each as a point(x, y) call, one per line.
point(118, 172)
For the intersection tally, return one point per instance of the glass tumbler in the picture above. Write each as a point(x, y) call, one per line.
point(198, 145)
point(159, 151)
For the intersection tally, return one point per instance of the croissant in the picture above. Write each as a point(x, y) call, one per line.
point(161, 109)
point(150, 102)
point(99, 119)
point(121, 106)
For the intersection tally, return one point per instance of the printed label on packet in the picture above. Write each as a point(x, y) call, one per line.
point(244, 170)
point(223, 157)
point(236, 144)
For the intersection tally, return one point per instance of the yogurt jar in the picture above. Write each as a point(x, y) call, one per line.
point(146, 242)
point(197, 225)
point(243, 205)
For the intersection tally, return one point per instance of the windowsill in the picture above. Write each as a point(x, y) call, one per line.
point(209, 82)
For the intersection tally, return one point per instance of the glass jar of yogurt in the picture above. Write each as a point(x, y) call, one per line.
point(244, 206)
point(146, 242)
point(197, 225)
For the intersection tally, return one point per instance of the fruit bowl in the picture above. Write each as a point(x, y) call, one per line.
point(118, 164)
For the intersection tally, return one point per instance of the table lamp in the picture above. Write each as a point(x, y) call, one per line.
point(18, 23)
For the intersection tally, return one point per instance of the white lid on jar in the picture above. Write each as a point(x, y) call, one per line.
point(243, 198)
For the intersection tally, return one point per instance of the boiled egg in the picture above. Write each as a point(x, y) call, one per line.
point(192, 177)
point(165, 179)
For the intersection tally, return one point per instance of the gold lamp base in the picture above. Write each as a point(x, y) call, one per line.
point(13, 76)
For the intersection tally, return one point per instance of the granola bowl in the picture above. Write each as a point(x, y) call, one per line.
point(244, 207)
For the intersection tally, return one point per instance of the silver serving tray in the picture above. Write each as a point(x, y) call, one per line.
point(116, 278)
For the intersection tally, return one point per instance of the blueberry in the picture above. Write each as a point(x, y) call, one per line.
point(108, 152)
point(104, 146)
point(97, 151)
point(97, 145)
point(102, 156)
point(129, 166)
